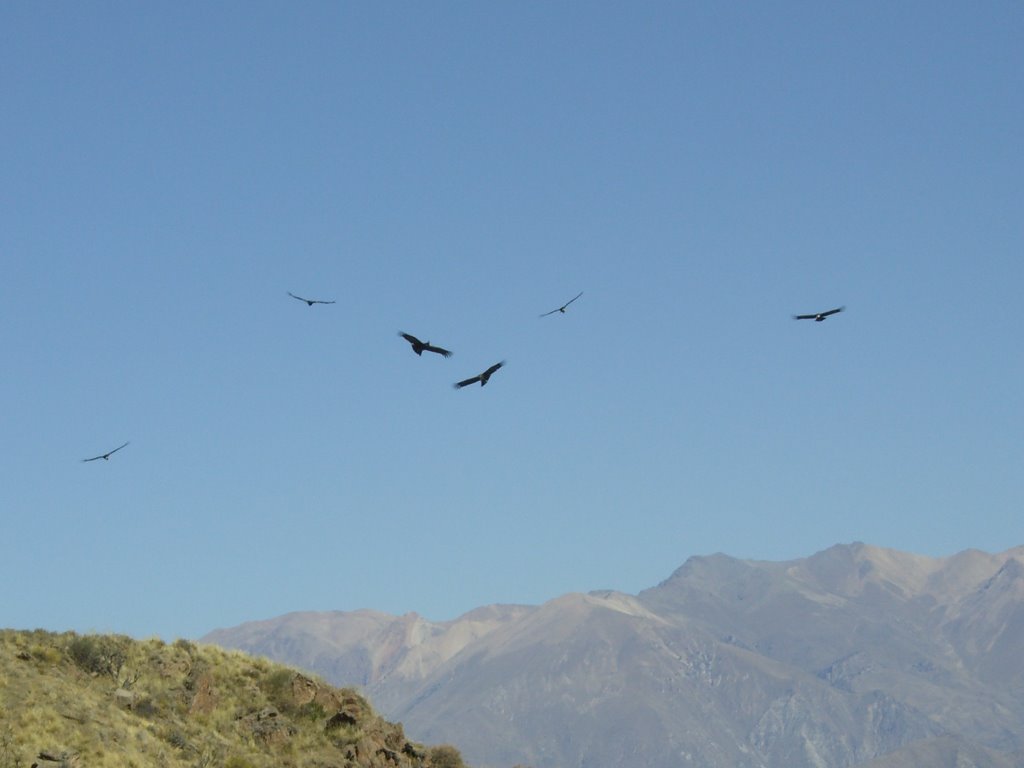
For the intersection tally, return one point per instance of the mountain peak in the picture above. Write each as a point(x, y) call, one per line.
point(834, 659)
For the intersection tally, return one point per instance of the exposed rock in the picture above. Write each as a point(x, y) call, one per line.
point(204, 696)
point(125, 699)
point(339, 720)
point(304, 690)
point(66, 758)
point(269, 727)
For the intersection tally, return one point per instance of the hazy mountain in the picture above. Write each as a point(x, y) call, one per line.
point(945, 752)
point(855, 655)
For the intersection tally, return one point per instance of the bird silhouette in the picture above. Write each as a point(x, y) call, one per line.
point(106, 456)
point(420, 346)
point(562, 308)
point(483, 378)
point(310, 302)
point(819, 316)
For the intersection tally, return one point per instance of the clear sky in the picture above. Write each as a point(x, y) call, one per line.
point(701, 171)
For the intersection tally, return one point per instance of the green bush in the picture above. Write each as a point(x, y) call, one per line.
point(46, 654)
point(278, 687)
point(99, 655)
point(312, 710)
point(445, 756)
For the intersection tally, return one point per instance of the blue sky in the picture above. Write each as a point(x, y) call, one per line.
point(701, 171)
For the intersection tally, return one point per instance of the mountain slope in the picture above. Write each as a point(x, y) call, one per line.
point(389, 654)
point(945, 752)
point(103, 700)
point(850, 655)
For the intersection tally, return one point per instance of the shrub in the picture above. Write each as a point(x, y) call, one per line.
point(177, 739)
point(312, 710)
point(99, 655)
point(344, 735)
point(445, 756)
point(277, 686)
point(46, 654)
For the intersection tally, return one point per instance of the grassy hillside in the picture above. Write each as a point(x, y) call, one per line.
point(107, 700)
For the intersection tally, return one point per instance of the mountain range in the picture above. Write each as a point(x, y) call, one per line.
point(856, 655)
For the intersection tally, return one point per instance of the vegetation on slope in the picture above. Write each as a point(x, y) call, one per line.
point(107, 700)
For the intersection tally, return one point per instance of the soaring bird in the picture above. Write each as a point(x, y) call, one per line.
point(562, 308)
point(818, 317)
point(106, 456)
point(419, 346)
point(482, 378)
point(310, 302)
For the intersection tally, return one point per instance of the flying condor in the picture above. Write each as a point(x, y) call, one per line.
point(106, 456)
point(420, 346)
point(483, 378)
point(310, 302)
point(562, 308)
point(819, 316)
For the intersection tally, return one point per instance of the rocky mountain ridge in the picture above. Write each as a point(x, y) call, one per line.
point(855, 654)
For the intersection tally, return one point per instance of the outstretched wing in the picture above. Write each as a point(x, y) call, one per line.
point(311, 302)
point(410, 338)
point(492, 369)
point(106, 455)
point(819, 315)
point(438, 350)
point(466, 382)
point(562, 308)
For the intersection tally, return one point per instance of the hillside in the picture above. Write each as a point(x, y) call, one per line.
point(102, 700)
point(852, 655)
